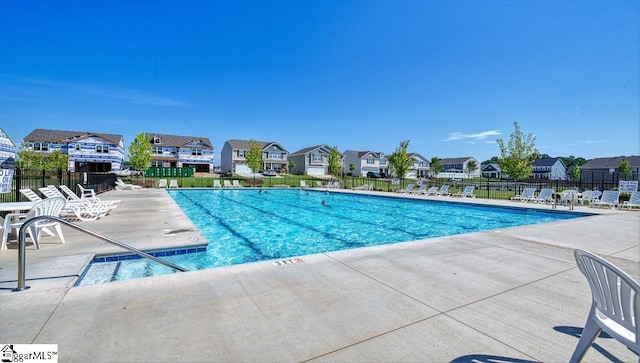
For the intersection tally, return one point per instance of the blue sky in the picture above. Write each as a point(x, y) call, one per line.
point(449, 76)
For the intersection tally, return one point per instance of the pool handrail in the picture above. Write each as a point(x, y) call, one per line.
point(22, 247)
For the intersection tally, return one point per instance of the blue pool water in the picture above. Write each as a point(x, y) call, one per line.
point(246, 225)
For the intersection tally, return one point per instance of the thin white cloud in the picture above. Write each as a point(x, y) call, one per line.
point(128, 95)
point(590, 142)
point(478, 136)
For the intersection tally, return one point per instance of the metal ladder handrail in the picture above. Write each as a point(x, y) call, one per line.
point(22, 247)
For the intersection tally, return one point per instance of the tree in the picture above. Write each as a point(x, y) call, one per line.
point(54, 161)
point(625, 167)
point(254, 158)
point(435, 166)
point(400, 161)
point(140, 152)
point(471, 166)
point(292, 165)
point(517, 157)
point(335, 161)
point(351, 168)
point(576, 173)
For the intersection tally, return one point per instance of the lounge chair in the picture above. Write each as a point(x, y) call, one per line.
point(431, 191)
point(46, 207)
point(82, 209)
point(162, 183)
point(615, 304)
point(407, 190)
point(633, 202)
point(303, 184)
point(226, 184)
point(589, 196)
point(173, 183)
point(567, 197)
point(545, 196)
point(525, 196)
point(421, 189)
point(216, 183)
point(121, 185)
point(608, 199)
point(30, 194)
point(444, 190)
point(236, 184)
point(466, 193)
point(70, 195)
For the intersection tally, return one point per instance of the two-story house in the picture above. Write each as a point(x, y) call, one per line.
point(232, 157)
point(86, 151)
point(312, 160)
point(181, 152)
point(549, 168)
point(364, 162)
point(420, 167)
point(459, 168)
point(608, 168)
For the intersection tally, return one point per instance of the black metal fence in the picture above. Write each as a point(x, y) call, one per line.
point(484, 188)
point(34, 179)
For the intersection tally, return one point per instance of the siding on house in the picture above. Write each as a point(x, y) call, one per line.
point(549, 168)
point(311, 160)
point(607, 168)
point(182, 151)
point(86, 151)
point(232, 157)
point(458, 168)
point(364, 162)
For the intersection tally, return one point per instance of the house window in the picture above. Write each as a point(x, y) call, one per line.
point(196, 152)
point(383, 162)
point(156, 140)
point(157, 149)
point(316, 157)
point(78, 147)
point(40, 146)
point(371, 161)
point(173, 151)
point(156, 163)
point(102, 149)
point(240, 153)
point(274, 155)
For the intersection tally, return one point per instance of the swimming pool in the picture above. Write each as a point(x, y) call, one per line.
point(249, 225)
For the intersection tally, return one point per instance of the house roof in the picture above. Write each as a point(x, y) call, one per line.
point(417, 156)
point(244, 144)
point(546, 161)
point(60, 136)
point(361, 154)
point(611, 162)
point(307, 150)
point(180, 141)
point(460, 160)
point(4, 138)
point(491, 167)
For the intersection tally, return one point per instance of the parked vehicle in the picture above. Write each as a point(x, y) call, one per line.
point(269, 173)
point(372, 174)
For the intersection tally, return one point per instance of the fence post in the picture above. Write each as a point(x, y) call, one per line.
point(18, 183)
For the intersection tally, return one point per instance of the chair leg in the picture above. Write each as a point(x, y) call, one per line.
point(589, 334)
point(59, 231)
point(34, 233)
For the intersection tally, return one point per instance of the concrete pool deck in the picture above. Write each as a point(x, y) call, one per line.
point(512, 295)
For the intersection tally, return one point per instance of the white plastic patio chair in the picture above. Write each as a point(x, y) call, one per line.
point(173, 183)
point(216, 183)
point(46, 207)
point(615, 306)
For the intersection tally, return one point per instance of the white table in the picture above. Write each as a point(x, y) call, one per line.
point(16, 206)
